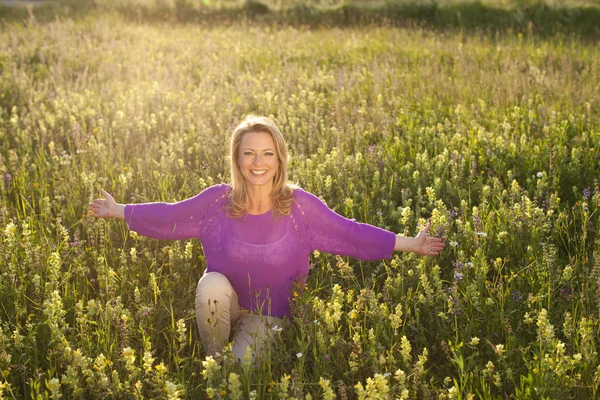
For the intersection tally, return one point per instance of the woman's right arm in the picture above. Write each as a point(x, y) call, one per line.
point(167, 221)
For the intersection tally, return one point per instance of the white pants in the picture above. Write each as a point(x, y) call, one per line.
point(219, 314)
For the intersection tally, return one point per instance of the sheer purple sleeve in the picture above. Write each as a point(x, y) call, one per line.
point(330, 232)
point(173, 221)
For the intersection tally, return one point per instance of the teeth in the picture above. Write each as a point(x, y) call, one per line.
point(259, 172)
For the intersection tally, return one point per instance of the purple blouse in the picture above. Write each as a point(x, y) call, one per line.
point(261, 255)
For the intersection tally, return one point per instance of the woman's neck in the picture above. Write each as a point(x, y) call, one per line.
point(259, 199)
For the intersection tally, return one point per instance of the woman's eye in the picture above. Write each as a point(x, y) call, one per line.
point(248, 153)
point(268, 154)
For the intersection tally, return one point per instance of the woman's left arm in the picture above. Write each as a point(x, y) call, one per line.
point(421, 244)
point(332, 233)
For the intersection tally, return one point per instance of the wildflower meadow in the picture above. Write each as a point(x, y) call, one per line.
point(492, 132)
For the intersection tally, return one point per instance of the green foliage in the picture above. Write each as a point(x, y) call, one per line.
point(495, 138)
point(544, 18)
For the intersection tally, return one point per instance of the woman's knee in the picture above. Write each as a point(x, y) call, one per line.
point(216, 299)
point(213, 286)
point(253, 335)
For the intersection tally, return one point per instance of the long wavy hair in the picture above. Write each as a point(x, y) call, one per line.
point(282, 192)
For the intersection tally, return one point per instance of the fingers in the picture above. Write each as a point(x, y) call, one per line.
point(95, 208)
point(105, 194)
point(427, 227)
point(96, 205)
point(435, 246)
point(435, 251)
point(435, 241)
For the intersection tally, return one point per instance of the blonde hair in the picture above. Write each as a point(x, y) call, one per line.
point(282, 192)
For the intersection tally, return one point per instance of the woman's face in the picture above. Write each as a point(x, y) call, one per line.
point(258, 159)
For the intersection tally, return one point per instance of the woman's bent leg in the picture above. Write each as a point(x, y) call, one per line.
point(252, 334)
point(217, 307)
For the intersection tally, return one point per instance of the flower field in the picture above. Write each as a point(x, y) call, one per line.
point(494, 136)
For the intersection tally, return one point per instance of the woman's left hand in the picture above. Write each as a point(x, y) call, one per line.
point(427, 245)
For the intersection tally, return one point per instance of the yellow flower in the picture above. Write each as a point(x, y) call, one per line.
point(499, 349)
point(160, 368)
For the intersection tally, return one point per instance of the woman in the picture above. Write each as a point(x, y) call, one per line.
point(257, 233)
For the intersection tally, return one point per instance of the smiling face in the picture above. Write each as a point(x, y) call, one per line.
point(258, 159)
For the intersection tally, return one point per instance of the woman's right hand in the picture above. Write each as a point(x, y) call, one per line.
point(106, 207)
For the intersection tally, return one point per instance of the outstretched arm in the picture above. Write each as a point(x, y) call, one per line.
point(106, 207)
point(159, 220)
point(421, 244)
point(330, 232)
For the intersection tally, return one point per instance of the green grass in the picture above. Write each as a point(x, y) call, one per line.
point(493, 134)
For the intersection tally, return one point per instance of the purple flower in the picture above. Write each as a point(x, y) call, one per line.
point(440, 230)
point(547, 204)
point(516, 295)
point(566, 293)
point(458, 265)
point(587, 193)
point(456, 304)
point(7, 180)
point(458, 276)
point(453, 214)
point(371, 150)
point(327, 357)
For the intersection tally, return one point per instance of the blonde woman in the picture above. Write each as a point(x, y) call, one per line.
point(257, 234)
